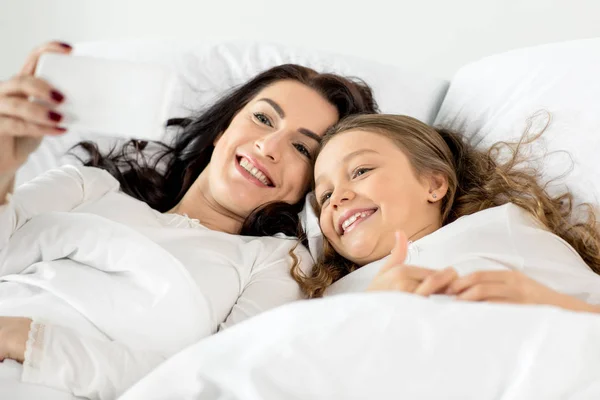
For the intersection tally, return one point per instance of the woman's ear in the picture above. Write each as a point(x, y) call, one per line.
point(438, 187)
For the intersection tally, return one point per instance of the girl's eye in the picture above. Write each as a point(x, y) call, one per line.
point(303, 150)
point(360, 171)
point(263, 119)
point(324, 197)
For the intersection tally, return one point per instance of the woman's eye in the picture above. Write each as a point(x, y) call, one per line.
point(263, 119)
point(303, 150)
point(360, 171)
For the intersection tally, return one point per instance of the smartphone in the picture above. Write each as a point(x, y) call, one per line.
point(113, 98)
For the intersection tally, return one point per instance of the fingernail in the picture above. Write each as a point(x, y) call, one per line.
point(57, 96)
point(54, 116)
point(57, 131)
point(66, 46)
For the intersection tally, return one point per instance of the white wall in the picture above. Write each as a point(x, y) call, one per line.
point(432, 36)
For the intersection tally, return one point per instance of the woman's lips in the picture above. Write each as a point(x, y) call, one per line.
point(252, 172)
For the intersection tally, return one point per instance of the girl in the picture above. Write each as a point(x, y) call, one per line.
point(458, 221)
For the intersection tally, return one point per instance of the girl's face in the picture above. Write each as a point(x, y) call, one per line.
point(266, 153)
point(367, 189)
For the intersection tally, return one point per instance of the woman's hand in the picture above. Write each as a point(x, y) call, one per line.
point(397, 276)
point(512, 287)
point(14, 332)
point(24, 123)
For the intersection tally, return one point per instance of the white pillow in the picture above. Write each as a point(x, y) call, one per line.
point(206, 70)
point(490, 101)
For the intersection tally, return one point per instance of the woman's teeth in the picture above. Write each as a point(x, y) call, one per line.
point(255, 172)
point(353, 219)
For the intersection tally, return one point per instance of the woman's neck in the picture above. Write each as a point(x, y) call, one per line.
point(198, 204)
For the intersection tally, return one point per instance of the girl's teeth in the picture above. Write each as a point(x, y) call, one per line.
point(353, 219)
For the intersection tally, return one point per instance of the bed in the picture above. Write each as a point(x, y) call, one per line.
point(358, 346)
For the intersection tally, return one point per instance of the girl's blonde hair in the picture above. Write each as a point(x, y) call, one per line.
point(477, 180)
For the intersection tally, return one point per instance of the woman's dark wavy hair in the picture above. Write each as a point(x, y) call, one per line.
point(162, 180)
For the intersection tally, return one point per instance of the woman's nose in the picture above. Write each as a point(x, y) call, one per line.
point(270, 146)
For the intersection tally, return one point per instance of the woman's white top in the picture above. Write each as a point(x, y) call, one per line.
point(74, 345)
point(500, 238)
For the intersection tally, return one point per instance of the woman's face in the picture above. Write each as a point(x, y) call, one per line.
point(266, 153)
point(367, 190)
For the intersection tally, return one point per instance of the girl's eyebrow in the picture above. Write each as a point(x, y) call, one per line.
point(347, 158)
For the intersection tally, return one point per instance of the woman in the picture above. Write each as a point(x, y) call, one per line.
point(457, 221)
point(124, 261)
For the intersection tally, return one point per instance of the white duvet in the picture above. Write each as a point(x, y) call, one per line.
point(389, 346)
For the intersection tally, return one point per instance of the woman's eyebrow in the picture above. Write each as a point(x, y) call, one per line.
point(275, 106)
point(310, 134)
point(281, 113)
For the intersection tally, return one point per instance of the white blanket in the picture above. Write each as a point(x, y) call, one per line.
point(389, 346)
point(99, 271)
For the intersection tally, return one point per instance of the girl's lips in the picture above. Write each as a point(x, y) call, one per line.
point(364, 214)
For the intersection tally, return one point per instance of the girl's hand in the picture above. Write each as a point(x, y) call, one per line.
point(397, 276)
point(512, 287)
